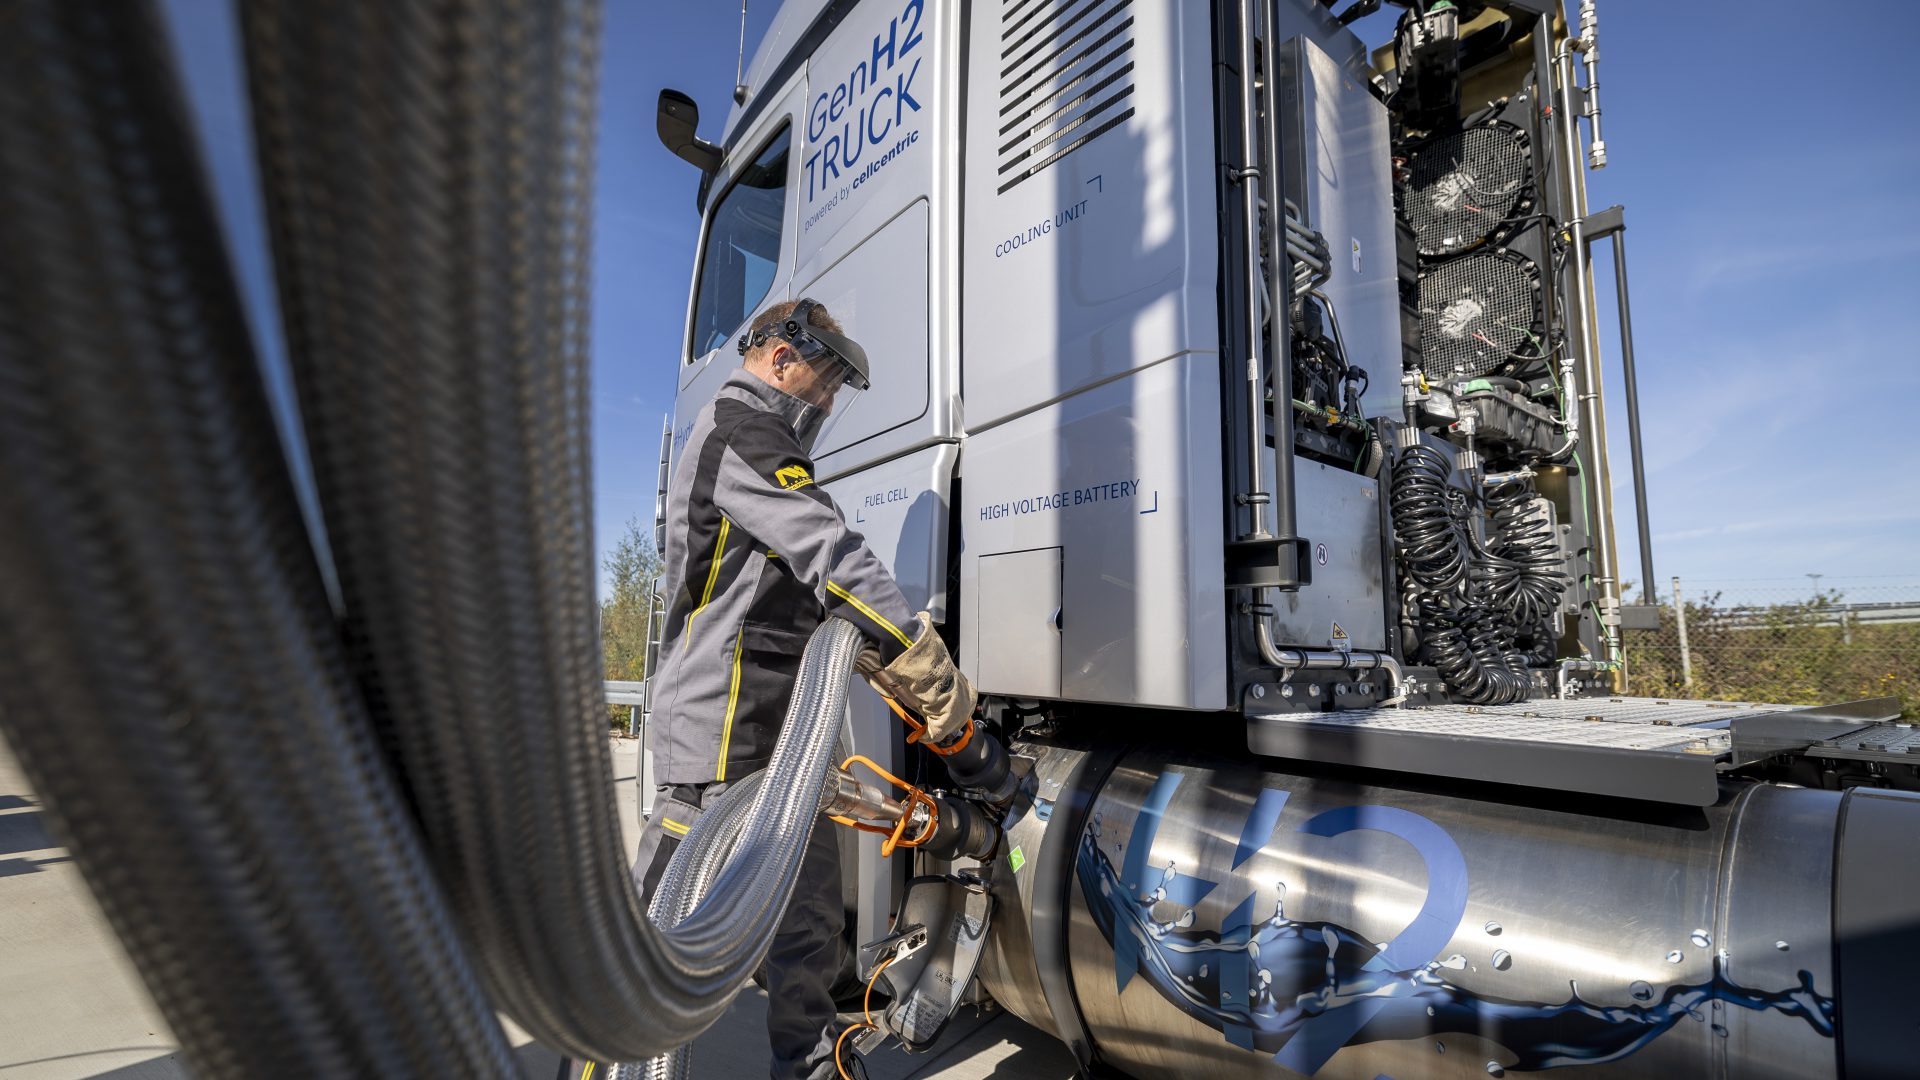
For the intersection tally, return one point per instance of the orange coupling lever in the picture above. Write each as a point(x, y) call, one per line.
point(917, 811)
point(918, 730)
point(975, 759)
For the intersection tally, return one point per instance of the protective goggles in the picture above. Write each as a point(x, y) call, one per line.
point(813, 344)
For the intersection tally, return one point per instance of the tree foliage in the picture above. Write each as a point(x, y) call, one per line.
point(633, 567)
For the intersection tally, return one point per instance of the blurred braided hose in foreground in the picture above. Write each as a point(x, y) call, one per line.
point(315, 871)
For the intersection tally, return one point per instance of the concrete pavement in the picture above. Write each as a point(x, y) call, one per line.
point(71, 1005)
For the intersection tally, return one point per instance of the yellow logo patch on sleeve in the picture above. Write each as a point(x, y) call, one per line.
point(792, 477)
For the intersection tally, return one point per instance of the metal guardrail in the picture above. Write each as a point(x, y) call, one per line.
point(626, 693)
point(1753, 616)
point(634, 696)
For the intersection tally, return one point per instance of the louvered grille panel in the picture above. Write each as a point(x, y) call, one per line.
point(1066, 78)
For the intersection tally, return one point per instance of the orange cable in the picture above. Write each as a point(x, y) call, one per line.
point(866, 1010)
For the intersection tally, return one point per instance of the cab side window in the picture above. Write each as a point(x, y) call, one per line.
point(743, 247)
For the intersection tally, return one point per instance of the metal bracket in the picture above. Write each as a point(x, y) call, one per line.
point(1270, 562)
point(1602, 224)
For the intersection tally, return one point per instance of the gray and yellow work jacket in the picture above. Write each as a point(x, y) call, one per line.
point(756, 557)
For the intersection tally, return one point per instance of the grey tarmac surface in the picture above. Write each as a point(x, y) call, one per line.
point(71, 1005)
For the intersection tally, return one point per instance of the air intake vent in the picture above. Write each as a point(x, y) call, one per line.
point(1468, 186)
point(1480, 314)
point(1066, 78)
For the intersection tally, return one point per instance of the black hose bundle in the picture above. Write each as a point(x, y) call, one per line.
point(1462, 597)
point(242, 834)
point(1472, 648)
point(1426, 520)
point(1532, 575)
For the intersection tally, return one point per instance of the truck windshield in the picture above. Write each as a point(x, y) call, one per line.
point(743, 247)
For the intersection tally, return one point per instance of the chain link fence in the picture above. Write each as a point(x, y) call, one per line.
point(1815, 640)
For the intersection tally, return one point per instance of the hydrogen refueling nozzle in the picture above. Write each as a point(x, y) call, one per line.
point(977, 761)
point(947, 825)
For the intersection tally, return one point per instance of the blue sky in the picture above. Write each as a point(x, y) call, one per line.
point(1769, 175)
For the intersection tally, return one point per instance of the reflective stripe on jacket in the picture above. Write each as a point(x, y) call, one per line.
point(757, 555)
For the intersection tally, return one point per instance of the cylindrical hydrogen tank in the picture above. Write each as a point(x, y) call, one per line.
point(1224, 919)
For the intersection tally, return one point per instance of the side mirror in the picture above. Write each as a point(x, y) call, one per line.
point(676, 121)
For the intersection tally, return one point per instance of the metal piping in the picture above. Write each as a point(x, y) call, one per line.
point(1279, 351)
point(1248, 177)
point(1567, 667)
point(1292, 660)
point(1590, 57)
point(1599, 499)
point(1647, 594)
point(846, 796)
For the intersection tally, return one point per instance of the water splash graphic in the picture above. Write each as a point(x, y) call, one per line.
point(1263, 983)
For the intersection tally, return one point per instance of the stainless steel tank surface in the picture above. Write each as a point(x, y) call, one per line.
point(1224, 920)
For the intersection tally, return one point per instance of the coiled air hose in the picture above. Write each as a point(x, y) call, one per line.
point(1425, 520)
point(1467, 637)
point(1530, 578)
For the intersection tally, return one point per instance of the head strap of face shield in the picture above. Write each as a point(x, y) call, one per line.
point(812, 343)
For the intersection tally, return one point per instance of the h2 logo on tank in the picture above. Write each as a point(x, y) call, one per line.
point(1301, 990)
point(858, 126)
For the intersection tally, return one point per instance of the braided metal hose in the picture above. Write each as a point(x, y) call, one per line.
point(696, 861)
point(429, 174)
point(245, 840)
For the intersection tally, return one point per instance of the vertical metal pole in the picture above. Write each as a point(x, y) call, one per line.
point(1599, 498)
point(1680, 622)
point(1279, 291)
point(1647, 592)
point(633, 721)
point(1249, 179)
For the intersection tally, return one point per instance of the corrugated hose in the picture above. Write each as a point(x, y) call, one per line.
point(171, 677)
point(327, 812)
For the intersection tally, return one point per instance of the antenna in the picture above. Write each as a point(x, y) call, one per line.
point(739, 65)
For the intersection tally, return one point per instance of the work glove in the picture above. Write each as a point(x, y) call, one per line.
point(928, 682)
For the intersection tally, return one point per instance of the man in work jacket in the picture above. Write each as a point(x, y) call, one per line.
point(756, 557)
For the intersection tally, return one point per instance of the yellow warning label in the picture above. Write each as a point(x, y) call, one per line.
point(1339, 639)
point(792, 477)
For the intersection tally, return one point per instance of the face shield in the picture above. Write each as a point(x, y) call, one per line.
point(836, 370)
